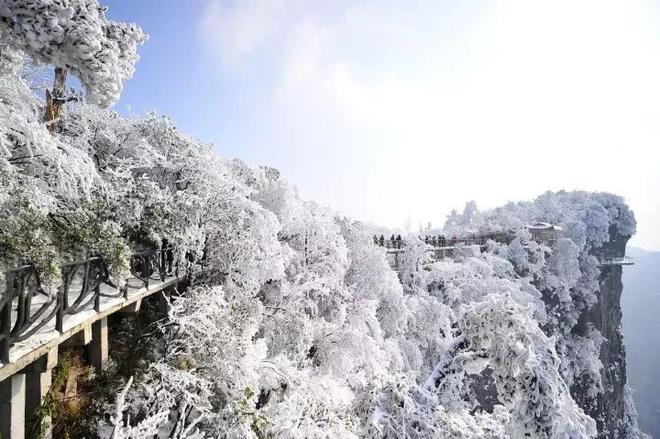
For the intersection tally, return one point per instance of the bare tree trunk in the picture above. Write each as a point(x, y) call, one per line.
point(55, 99)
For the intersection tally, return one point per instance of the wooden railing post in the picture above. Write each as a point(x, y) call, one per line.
point(97, 296)
point(59, 314)
point(18, 291)
point(163, 264)
point(5, 322)
point(22, 284)
point(145, 270)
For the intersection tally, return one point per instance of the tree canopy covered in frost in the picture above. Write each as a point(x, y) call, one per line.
point(75, 35)
point(297, 327)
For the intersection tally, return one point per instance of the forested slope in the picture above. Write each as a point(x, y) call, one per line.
point(297, 327)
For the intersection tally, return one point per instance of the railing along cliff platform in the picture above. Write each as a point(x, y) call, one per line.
point(444, 247)
point(441, 248)
point(35, 320)
point(399, 245)
point(623, 260)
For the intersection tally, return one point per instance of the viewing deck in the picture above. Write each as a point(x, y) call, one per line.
point(34, 319)
point(37, 319)
point(624, 260)
point(398, 246)
point(445, 247)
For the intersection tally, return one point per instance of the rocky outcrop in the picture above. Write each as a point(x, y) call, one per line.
point(608, 407)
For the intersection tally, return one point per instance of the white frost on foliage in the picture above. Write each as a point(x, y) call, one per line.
point(120, 429)
point(76, 35)
point(298, 327)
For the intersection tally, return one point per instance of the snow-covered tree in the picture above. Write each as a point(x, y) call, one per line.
point(74, 36)
point(297, 327)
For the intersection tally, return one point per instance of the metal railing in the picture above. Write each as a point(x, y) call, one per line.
point(81, 285)
point(439, 243)
point(622, 260)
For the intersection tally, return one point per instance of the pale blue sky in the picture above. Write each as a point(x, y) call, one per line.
point(388, 109)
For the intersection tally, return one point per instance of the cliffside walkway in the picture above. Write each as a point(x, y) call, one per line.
point(398, 246)
point(442, 248)
point(623, 260)
point(36, 319)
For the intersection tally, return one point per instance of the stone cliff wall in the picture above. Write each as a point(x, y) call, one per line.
point(608, 407)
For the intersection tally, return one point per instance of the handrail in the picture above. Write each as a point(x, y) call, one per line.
point(438, 243)
point(620, 260)
point(84, 278)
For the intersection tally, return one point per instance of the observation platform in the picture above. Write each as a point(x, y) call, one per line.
point(46, 336)
point(395, 246)
point(445, 247)
point(624, 260)
point(36, 319)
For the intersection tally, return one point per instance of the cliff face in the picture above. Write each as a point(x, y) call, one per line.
point(608, 407)
point(575, 278)
point(599, 226)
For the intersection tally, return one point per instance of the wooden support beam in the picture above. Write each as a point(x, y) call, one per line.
point(98, 348)
point(12, 407)
point(81, 338)
point(38, 381)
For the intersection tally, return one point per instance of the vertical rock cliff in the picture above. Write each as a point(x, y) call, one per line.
point(578, 275)
point(609, 407)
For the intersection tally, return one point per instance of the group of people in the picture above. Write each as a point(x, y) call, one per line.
point(393, 242)
point(439, 241)
point(432, 240)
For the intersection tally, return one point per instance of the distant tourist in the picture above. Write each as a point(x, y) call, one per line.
point(398, 241)
point(382, 240)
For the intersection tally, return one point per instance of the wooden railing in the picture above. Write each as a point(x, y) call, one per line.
point(26, 306)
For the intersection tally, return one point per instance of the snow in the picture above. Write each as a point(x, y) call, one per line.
point(543, 226)
point(48, 333)
point(100, 52)
point(298, 327)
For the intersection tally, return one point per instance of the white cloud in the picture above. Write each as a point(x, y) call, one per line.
point(384, 109)
point(235, 31)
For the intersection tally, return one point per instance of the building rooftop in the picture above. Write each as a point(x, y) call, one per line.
point(543, 226)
